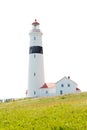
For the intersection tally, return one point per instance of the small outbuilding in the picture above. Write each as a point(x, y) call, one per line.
point(66, 86)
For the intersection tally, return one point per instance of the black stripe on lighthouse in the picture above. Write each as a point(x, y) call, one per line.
point(35, 49)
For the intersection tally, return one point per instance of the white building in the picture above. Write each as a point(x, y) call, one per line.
point(66, 86)
point(36, 85)
point(36, 66)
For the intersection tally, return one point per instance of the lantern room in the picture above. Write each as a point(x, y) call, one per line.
point(35, 24)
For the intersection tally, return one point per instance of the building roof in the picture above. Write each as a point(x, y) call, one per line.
point(51, 85)
point(35, 23)
point(44, 86)
point(66, 78)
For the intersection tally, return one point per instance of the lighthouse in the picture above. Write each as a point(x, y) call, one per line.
point(36, 65)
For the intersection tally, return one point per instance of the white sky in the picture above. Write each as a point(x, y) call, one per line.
point(64, 27)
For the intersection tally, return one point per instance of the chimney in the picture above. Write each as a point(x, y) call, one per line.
point(68, 77)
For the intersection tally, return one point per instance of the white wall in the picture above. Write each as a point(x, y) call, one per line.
point(38, 41)
point(36, 65)
point(43, 92)
point(47, 92)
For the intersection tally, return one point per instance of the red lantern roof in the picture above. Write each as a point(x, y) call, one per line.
point(35, 23)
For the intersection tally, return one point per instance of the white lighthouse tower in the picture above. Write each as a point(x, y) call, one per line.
point(36, 66)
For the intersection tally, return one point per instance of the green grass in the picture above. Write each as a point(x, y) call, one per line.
point(68, 112)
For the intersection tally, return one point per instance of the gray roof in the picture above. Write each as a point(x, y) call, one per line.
point(66, 78)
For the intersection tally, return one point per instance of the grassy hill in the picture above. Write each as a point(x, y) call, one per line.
point(68, 112)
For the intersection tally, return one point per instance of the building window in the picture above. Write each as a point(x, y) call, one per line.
point(34, 38)
point(61, 92)
point(68, 85)
point(34, 73)
point(34, 92)
point(46, 92)
point(62, 85)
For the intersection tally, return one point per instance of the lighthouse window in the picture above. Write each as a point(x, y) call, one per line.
point(34, 93)
point(34, 56)
point(34, 74)
point(34, 38)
